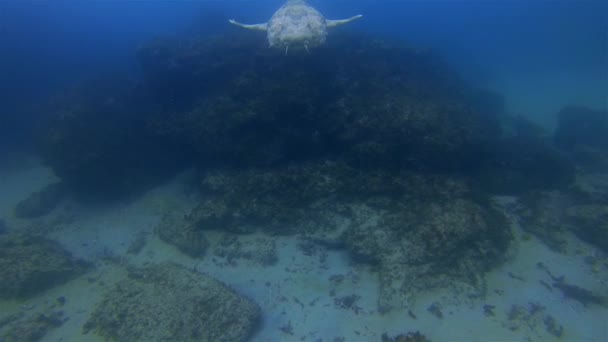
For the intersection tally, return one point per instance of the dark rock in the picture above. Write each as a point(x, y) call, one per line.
point(347, 302)
point(530, 320)
point(278, 199)
point(541, 214)
point(169, 302)
point(590, 223)
point(3, 227)
point(582, 126)
point(488, 310)
point(184, 234)
point(409, 337)
point(583, 133)
point(579, 294)
point(367, 100)
point(138, 243)
point(436, 235)
point(228, 100)
point(420, 231)
point(29, 265)
point(552, 327)
point(435, 310)
point(31, 327)
point(518, 165)
point(257, 250)
point(549, 215)
point(96, 142)
point(41, 202)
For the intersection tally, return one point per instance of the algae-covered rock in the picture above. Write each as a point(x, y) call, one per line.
point(437, 235)
point(30, 326)
point(590, 223)
point(583, 210)
point(419, 230)
point(183, 233)
point(583, 133)
point(409, 337)
point(257, 250)
point(579, 125)
point(278, 199)
point(368, 100)
point(95, 140)
point(522, 164)
point(30, 264)
point(3, 227)
point(168, 302)
point(228, 100)
point(541, 214)
point(41, 202)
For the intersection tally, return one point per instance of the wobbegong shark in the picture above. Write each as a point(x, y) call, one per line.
point(296, 25)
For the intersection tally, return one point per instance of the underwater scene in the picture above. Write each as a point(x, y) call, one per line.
point(290, 170)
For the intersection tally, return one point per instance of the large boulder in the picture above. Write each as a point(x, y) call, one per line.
point(41, 202)
point(583, 210)
point(31, 264)
point(583, 133)
point(360, 98)
point(578, 125)
point(168, 302)
point(96, 140)
point(519, 164)
point(229, 100)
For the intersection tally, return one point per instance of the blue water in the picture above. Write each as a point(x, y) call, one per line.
point(544, 62)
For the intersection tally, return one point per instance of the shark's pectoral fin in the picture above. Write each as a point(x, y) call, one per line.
point(257, 27)
point(334, 23)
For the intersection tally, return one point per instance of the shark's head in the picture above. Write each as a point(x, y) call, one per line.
point(296, 25)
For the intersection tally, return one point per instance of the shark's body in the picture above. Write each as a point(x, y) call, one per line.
point(296, 24)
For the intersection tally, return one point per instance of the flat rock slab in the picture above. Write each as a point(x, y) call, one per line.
point(168, 302)
point(31, 264)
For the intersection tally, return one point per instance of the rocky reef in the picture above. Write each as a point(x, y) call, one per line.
point(228, 100)
point(169, 302)
point(30, 264)
point(358, 98)
point(419, 231)
point(581, 207)
point(3, 227)
point(96, 140)
point(581, 210)
point(583, 133)
point(34, 323)
point(366, 144)
point(41, 202)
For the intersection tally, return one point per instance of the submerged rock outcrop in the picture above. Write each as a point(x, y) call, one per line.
point(31, 264)
point(228, 100)
point(419, 231)
point(169, 302)
point(97, 141)
point(358, 98)
point(369, 145)
point(41, 202)
point(583, 133)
